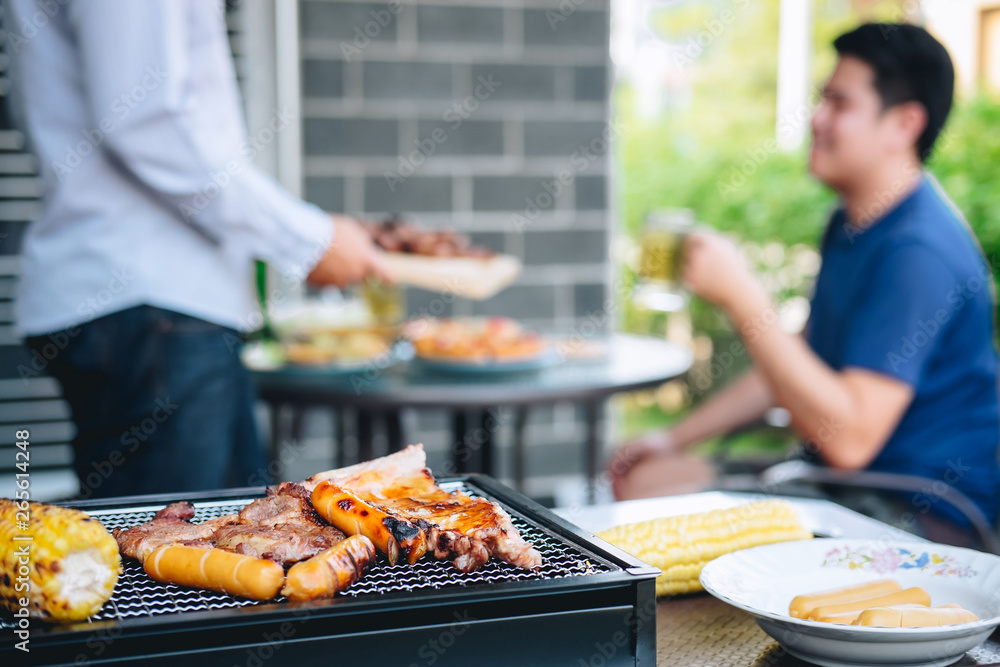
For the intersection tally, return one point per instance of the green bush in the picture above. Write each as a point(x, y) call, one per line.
point(966, 162)
point(740, 185)
point(711, 150)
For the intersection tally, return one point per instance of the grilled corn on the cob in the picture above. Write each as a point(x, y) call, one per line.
point(67, 569)
point(681, 545)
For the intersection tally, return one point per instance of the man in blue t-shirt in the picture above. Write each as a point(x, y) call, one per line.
point(897, 369)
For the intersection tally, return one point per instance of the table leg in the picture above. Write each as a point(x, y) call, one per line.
point(340, 433)
point(459, 449)
point(592, 414)
point(394, 430)
point(365, 435)
point(520, 422)
point(486, 447)
point(277, 416)
point(298, 422)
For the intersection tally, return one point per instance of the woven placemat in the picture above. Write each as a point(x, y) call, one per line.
point(701, 631)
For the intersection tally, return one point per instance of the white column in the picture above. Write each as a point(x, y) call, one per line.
point(794, 50)
point(259, 95)
point(288, 92)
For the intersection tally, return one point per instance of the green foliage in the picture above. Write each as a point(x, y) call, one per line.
point(966, 161)
point(712, 148)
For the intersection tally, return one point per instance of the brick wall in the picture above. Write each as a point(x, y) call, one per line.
point(463, 114)
point(486, 116)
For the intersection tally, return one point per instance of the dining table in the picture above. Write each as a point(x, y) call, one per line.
point(699, 630)
point(583, 372)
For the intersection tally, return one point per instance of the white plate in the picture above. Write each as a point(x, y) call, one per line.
point(467, 277)
point(763, 580)
point(546, 358)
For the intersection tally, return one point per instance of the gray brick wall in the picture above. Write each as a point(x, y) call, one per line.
point(490, 117)
point(486, 116)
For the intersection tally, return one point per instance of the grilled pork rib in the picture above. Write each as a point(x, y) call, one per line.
point(282, 527)
point(171, 525)
point(456, 527)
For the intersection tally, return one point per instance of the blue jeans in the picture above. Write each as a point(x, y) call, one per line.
point(161, 402)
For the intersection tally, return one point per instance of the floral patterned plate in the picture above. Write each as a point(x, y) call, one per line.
point(763, 580)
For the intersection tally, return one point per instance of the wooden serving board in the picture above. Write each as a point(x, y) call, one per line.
point(467, 277)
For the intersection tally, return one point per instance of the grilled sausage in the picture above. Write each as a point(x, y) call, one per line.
point(803, 605)
point(331, 571)
point(216, 570)
point(913, 616)
point(909, 596)
point(394, 537)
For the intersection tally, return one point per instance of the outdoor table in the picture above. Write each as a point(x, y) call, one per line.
point(630, 363)
point(700, 630)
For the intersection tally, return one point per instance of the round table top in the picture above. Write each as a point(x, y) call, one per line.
point(629, 363)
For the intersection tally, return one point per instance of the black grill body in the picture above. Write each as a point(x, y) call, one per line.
point(590, 604)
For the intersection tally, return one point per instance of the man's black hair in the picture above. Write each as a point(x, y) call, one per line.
point(910, 66)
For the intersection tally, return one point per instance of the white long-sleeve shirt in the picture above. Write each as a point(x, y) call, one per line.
point(151, 196)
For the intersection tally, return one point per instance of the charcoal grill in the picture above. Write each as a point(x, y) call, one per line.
point(590, 604)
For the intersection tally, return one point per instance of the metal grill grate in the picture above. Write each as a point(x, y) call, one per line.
point(138, 595)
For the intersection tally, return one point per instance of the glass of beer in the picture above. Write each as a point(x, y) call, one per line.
point(661, 260)
point(386, 302)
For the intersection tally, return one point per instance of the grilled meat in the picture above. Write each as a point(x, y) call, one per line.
point(282, 527)
point(287, 544)
point(171, 525)
point(456, 527)
point(286, 503)
point(397, 235)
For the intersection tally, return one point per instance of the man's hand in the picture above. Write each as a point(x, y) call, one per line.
point(632, 453)
point(716, 270)
point(351, 257)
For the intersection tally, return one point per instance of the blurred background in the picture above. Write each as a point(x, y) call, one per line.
point(692, 108)
point(715, 99)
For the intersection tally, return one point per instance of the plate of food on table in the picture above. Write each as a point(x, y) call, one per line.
point(317, 336)
point(837, 602)
point(478, 345)
point(834, 602)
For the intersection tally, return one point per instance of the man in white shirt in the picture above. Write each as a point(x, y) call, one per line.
point(138, 275)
